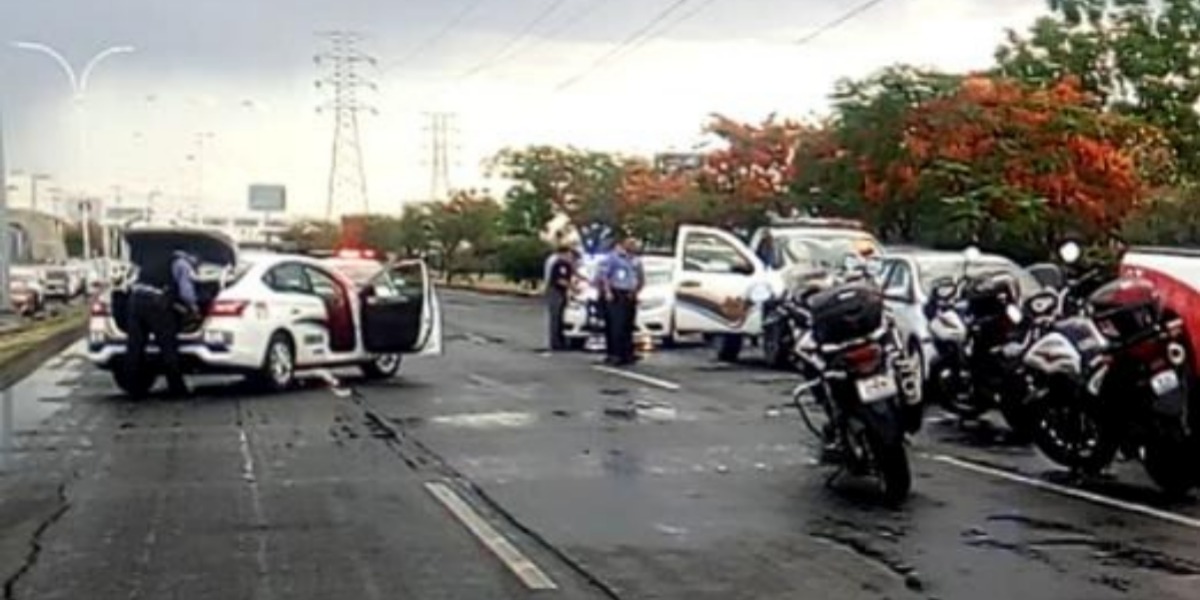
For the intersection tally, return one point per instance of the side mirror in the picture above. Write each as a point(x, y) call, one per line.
point(742, 269)
point(1070, 252)
point(972, 254)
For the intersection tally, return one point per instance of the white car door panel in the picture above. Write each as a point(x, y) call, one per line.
point(715, 271)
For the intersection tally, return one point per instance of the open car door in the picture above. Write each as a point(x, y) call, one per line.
point(401, 313)
point(715, 270)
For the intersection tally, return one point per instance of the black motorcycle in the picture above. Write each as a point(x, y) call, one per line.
point(1111, 376)
point(980, 333)
point(857, 372)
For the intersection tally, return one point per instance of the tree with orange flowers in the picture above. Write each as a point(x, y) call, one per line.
point(752, 172)
point(1024, 164)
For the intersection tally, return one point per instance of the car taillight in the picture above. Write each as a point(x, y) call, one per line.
point(228, 308)
point(864, 359)
point(99, 308)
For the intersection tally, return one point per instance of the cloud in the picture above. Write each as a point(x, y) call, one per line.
point(202, 60)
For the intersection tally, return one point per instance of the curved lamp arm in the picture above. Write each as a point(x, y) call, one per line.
point(96, 60)
point(58, 58)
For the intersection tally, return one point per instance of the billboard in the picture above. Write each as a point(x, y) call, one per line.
point(268, 198)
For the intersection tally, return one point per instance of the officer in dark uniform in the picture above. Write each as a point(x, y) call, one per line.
point(620, 279)
point(158, 309)
point(558, 289)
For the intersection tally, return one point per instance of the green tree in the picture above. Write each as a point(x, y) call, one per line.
point(312, 234)
point(1139, 57)
point(464, 229)
point(581, 184)
point(521, 259)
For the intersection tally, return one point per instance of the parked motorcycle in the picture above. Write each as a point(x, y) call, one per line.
point(857, 372)
point(979, 333)
point(1111, 375)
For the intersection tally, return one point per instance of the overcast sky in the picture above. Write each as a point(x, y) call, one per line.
point(243, 70)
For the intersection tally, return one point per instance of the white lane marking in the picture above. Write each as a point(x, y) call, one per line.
point(1071, 492)
point(529, 573)
point(646, 379)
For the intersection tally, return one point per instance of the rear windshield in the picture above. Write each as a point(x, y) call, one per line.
point(358, 271)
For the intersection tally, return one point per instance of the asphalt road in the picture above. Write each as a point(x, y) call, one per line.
point(501, 471)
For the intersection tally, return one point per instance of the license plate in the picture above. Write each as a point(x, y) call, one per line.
point(874, 389)
point(1164, 383)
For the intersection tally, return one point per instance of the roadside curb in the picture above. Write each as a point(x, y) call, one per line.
point(490, 291)
point(21, 366)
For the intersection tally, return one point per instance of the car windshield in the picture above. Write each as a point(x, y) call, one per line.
point(934, 269)
point(825, 250)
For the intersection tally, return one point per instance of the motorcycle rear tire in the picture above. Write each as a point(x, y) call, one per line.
point(1167, 463)
point(891, 465)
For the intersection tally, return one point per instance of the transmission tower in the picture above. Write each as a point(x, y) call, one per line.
point(343, 62)
point(440, 128)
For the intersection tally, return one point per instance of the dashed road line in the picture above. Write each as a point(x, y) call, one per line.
point(525, 570)
point(646, 379)
point(1068, 491)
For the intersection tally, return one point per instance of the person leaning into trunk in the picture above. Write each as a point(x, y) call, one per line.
point(620, 280)
point(159, 311)
point(560, 276)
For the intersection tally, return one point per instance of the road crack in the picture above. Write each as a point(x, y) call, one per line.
point(35, 543)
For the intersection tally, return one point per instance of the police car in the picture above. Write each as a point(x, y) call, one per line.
point(582, 323)
point(270, 315)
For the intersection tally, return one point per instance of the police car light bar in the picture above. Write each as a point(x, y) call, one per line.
point(356, 253)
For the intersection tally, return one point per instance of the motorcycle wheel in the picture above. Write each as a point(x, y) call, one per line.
point(1166, 461)
point(775, 346)
point(1071, 433)
point(890, 462)
point(946, 395)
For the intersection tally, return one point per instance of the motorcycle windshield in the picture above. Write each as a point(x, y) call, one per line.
point(1082, 332)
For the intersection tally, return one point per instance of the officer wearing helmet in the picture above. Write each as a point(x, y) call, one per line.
point(159, 309)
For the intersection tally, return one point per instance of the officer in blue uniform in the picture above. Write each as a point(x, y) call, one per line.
point(620, 279)
point(159, 309)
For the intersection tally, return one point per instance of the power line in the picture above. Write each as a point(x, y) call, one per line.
point(669, 27)
point(343, 62)
point(633, 38)
point(585, 10)
point(515, 42)
point(838, 22)
point(432, 40)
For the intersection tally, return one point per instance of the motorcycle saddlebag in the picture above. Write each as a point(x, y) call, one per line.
point(845, 312)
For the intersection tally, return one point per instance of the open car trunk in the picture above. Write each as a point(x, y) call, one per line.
point(152, 250)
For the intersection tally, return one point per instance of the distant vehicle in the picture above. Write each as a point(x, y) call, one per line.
point(908, 279)
point(656, 304)
point(716, 271)
point(26, 293)
point(61, 282)
point(270, 315)
point(357, 264)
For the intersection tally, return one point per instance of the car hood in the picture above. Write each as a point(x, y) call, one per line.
point(210, 247)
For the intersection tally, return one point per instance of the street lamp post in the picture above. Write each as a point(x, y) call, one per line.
point(5, 244)
point(79, 83)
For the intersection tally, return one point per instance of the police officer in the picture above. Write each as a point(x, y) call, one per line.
point(559, 280)
point(158, 309)
point(620, 279)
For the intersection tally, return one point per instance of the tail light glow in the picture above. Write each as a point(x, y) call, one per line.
point(99, 308)
point(864, 359)
point(228, 308)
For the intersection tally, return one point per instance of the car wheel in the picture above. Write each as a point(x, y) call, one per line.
point(729, 347)
point(278, 370)
point(384, 366)
point(136, 385)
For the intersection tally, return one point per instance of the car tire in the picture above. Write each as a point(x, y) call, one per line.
point(577, 344)
point(384, 366)
point(278, 371)
point(137, 385)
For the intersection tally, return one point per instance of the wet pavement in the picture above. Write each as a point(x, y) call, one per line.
point(502, 471)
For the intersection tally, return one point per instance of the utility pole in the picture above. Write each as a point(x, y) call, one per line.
point(440, 128)
point(343, 62)
point(5, 243)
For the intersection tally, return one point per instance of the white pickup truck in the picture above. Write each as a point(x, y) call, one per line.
point(717, 273)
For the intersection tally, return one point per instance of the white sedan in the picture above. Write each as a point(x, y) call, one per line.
point(656, 304)
point(270, 315)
